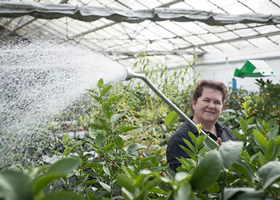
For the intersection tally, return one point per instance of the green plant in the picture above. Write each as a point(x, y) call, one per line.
point(28, 184)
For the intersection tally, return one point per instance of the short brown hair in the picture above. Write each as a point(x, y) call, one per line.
point(215, 85)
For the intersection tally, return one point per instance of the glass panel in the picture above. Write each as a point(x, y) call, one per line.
point(261, 42)
point(179, 43)
point(227, 35)
point(194, 40)
point(223, 3)
point(245, 32)
point(242, 44)
point(209, 38)
point(210, 49)
point(267, 29)
point(262, 6)
point(275, 39)
point(201, 5)
point(226, 47)
point(181, 5)
point(237, 9)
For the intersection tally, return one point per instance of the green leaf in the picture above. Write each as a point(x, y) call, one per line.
point(98, 99)
point(229, 118)
point(210, 144)
point(260, 140)
point(181, 177)
point(15, 186)
point(65, 139)
point(189, 145)
point(43, 181)
point(101, 140)
point(243, 193)
point(265, 124)
point(106, 110)
point(64, 166)
point(207, 171)
point(106, 170)
point(170, 173)
point(272, 133)
point(67, 151)
point(125, 129)
point(141, 180)
point(243, 125)
point(158, 191)
point(108, 147)
point(214, 188)
point(151, 184)
point(93, 165)
point(277, 152)
point(272, 122)
point(243, 168)
point(63, 195)
point(270, 173)
point(230, 178)
point(100, 83)
point(114, 99)
point(183, 192)
point(126, 182)
point(184, 163)
point(171, 118)
point(93, 132)
point(270, 149)
point(199, 142)
point(230, 152)
point(192, 136)
point(105, 186)
point(262, 158)
point(203, 150)
point(115, 117)
point(189, 152)
point(246, 155)
point(129, 172)
point(250, 120)
point(135, 147)
point(119, 142)
point(90, 196)
point(259, 123)
point(235, 133)
point(105, 90)
point(99, 126)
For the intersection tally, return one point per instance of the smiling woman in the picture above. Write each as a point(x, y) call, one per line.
point(208, 101)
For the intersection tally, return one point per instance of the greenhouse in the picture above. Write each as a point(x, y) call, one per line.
point(130, 99)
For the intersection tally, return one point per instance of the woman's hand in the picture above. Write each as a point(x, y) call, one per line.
point(219, 141)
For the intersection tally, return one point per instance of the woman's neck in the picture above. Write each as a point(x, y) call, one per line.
point(207, 126)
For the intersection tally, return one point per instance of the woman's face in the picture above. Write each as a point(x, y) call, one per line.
point(208, 107)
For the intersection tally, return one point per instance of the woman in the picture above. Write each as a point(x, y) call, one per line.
point(208, 101)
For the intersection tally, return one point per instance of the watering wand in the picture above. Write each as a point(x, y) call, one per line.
point(131, 75)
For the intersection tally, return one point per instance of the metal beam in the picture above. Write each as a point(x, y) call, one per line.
point(231, 40)
point(170, 3)
point(113, 23)
point(90, 31)
point(154, 53)
point(91, 13)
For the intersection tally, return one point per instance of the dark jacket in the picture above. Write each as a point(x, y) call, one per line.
point(174, 150)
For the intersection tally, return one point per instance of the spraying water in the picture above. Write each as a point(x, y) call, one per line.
point(41, 78)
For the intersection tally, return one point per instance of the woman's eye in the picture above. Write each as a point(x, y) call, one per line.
point(217, 102)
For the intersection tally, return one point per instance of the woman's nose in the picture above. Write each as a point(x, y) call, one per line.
point(211, 105)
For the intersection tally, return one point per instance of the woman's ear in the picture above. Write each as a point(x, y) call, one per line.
point(193, 103)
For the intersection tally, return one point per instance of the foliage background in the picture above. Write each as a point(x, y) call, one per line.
point(121, 154)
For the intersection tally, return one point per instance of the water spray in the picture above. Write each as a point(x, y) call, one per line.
point(131, 74)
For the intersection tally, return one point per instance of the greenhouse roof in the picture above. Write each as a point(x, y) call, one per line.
point(175, 29)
